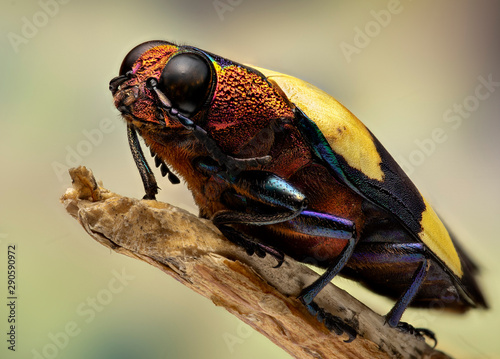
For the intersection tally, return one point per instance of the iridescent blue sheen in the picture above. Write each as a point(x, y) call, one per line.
point(322, 225)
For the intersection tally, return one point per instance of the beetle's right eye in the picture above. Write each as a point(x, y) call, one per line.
point(136, 52)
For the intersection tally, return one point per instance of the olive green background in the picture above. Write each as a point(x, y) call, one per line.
point(407, 74)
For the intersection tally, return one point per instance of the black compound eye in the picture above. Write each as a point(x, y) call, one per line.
point(186, 81)
point(136, 52)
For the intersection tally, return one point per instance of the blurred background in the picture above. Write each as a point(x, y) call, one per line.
point(423, 76)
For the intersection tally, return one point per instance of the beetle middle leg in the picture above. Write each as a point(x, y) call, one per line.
point(328, 226)
point(277, 201)
point(288, 205)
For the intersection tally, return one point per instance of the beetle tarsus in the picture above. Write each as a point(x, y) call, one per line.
point(331, 322)
point(418, 332)
point(250, 245)
point(427, 333)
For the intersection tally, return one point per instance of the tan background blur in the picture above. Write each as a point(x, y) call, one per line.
point(403, 78)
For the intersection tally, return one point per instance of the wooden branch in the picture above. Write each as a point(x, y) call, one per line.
point(194, 252)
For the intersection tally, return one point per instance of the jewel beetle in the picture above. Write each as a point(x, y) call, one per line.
point(282, 168)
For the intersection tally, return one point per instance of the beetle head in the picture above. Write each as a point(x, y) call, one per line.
point(165, 86)
point(158, 79)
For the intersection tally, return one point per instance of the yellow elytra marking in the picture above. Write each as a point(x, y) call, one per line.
point(437, 239)
point(346, 134)
point(349, 137)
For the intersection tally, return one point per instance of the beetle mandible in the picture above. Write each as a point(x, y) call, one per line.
point(282, 168)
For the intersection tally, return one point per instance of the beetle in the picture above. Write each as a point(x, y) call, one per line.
point(282, 168)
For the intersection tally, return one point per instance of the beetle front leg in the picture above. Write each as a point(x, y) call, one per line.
point(147, 176)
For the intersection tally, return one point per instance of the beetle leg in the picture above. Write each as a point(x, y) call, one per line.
point(380, 253)
point(147, 176)
point(165, 171)
point(395, 314)
point(277, 200)
point(377, 253)
point(323, 225)
point(251, 245)
point(233, 165)
point(308, 294)
point(288, 204)
point(332, 322)
point(420, 332)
